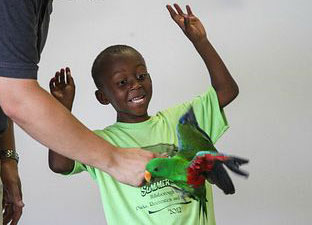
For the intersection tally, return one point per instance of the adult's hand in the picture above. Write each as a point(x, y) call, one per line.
point(128, 165)
point(12, 192)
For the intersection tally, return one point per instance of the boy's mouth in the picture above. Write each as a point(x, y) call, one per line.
point(137, 99)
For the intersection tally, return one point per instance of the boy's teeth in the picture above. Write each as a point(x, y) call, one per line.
point(137, 99)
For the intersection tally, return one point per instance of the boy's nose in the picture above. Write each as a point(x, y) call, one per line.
point(135, 84)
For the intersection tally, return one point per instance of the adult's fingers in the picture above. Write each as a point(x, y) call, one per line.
point(16, 214)
point(7, 213)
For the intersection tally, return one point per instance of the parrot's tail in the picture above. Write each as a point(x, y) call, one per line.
point(203, 210)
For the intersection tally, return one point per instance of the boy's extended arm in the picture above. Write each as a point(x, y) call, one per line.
point(47, 121)
point(222, 81)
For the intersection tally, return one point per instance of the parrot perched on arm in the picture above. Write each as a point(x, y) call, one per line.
point(195, 161)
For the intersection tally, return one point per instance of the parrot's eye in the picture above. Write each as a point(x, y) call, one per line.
point(156, 169)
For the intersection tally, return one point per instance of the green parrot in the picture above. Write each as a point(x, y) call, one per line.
point(195, 161)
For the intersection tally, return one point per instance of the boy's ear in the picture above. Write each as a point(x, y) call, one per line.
point(100, 96)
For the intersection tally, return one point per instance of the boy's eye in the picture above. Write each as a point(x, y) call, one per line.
point(122, 82)
point(142, 76)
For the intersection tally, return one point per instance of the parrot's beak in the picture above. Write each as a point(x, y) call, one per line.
point(147, 176)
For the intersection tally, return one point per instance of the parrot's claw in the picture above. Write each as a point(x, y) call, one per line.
point(233, 164)
point(180, 191)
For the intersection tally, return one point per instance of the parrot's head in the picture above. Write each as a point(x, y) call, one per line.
point(157, 168)
point(188, 117)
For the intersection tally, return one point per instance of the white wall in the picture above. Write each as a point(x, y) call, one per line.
point(266, 46)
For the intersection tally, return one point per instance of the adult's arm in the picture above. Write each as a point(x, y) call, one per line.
point(12, 189)
point(34, 110)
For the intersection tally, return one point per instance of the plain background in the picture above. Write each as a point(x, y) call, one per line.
point(265, 44)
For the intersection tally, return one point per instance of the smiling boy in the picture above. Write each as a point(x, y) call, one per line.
point(126, 85)
point(122, 79)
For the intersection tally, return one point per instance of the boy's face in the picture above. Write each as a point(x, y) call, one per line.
point(128, 87)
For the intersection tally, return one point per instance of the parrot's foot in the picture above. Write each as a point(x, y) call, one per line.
point(181, 192)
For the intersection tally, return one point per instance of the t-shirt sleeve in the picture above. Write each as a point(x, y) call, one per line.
point(209, 115)
point(207, 111)
point(22, 37)
point(80, 167)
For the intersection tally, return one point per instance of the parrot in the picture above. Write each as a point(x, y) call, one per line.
point(193, 162)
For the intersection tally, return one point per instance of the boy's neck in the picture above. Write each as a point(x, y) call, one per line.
point(134, 119)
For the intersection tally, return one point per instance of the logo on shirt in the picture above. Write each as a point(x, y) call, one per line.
point(149, 188)
point(167, 199)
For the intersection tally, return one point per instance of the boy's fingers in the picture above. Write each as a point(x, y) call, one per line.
point(189, 11)
point(186, 23)
point(171, 11)
point(57, 75)
point(70, 79)
point(62, 71)
point(51, 83)
point(176, 17)
point(67, 70)
point(179, 10)
point(62, 78)
point(57, 78)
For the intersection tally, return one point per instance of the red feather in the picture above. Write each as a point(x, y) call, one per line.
point(200, 165)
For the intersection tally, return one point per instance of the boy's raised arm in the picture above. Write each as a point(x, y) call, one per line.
point(222, 81)
point(62, 87)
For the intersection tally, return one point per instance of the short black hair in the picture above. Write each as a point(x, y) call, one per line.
point(97, 67)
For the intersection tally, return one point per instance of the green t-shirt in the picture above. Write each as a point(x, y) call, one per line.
point(155, 204)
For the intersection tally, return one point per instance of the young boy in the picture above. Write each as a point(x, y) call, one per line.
point(122, 79)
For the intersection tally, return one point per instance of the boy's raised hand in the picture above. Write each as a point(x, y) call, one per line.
point(62, 87)
point(189, 23)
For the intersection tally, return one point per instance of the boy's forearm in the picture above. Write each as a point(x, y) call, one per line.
point(59, 163)
point(222, 81)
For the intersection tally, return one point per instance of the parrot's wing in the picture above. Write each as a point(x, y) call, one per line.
point(221, 178)
point(189, 117)
point(167, 149)
point(191, 137)
point(210, 165)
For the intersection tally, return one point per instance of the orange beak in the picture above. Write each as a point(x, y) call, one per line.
point(147, 176)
